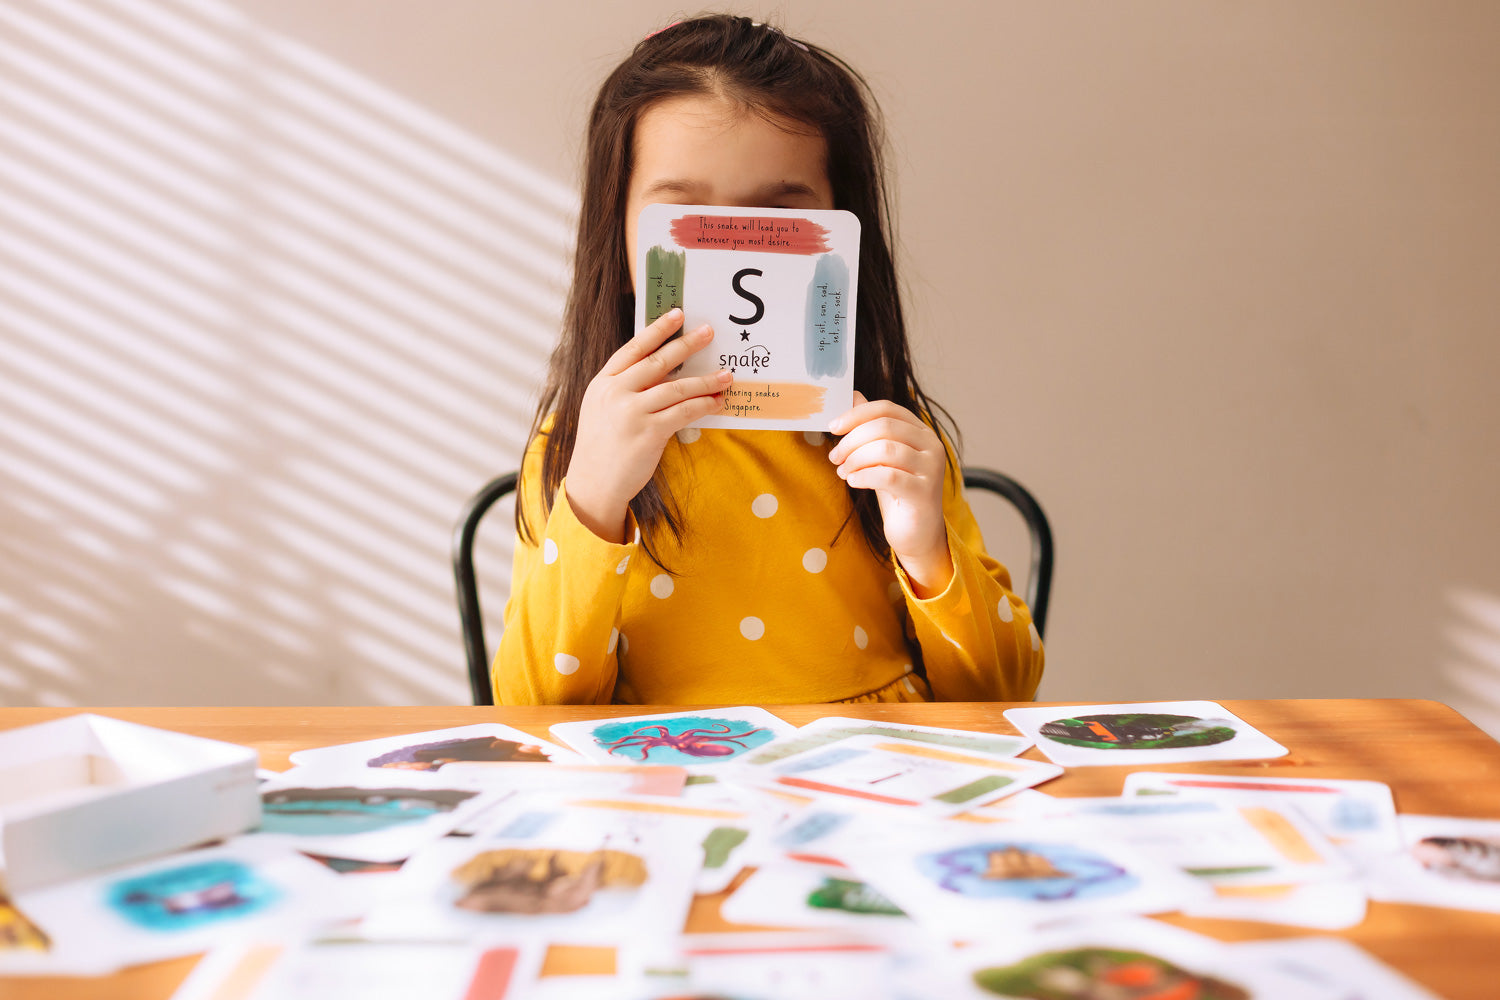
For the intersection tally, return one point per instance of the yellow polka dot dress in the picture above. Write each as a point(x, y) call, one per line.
point(763, 601)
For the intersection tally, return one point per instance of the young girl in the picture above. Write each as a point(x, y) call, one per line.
point(660, 564)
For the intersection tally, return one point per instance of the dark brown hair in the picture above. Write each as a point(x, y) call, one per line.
point(792, 84)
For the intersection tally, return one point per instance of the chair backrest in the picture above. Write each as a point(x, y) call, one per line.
point(1038, 581)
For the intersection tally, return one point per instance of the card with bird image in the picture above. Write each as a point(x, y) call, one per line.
point(1444, 861)
point(1142, 733)
point(779, 288)
point(882, 771)
point(699, 736)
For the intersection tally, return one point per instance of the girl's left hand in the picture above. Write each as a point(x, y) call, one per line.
point(888, 449)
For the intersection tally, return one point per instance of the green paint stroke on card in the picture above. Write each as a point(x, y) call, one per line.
point(666, 270)
point(720, 843)
point(852, 897)
point(974, 789)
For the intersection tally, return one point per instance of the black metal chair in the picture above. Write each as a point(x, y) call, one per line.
point(1038, 581)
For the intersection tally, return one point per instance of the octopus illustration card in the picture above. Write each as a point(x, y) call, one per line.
point(959, 879)
point(702, 736)
point(484, 744)
point(1125, 957)
point(831, 729)
point(320, 968)
point(1445, 861)
point(186, 902)
point(778, 286)
point(878, 770)
point(1168, 732)
point(1357, 816)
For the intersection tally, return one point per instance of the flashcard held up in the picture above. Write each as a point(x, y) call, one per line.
point(778, 286)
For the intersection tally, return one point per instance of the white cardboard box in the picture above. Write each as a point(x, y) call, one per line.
point(85, 793)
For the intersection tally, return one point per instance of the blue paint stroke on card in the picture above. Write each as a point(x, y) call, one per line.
point(826, 333)
point(689, 739)
point(190, 896)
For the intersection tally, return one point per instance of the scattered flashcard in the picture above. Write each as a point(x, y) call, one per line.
point(892, 772)
point(27, 950)
point(1125, 958)
point(831, 729)
point(801, 895)
point(779, 288)
point(1334, 905)
point(318, 969)
point(1358, 816)
point(808, 966)
point(186, 902)
point(1341, 966)
point(580, 872)
point(1223, 842)
point(964, 881)
point(1447, 861)
point(362, 816)
point(486, 743)
point(702, 736)
point(1147, 733)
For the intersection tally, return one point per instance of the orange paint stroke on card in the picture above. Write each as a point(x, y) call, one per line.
point(1285, 837)
point(761, 234)
point(773, 400)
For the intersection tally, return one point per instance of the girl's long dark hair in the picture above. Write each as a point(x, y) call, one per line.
point(790, 83)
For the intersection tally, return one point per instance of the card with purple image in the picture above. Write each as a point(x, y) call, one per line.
point(700, 736)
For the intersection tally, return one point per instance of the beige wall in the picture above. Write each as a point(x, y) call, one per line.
point(1216, 280)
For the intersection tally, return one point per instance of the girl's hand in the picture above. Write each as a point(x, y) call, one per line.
point(629, 412)
point(888, 449)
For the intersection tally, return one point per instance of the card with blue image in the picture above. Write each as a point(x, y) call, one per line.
point(699, 736)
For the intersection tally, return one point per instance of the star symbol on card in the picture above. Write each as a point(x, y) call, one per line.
point(744, 334)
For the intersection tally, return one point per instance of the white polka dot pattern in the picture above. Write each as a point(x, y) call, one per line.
point(1003, 609)
point(813, 438)
point(624, 565)
point(1036, 637)
point(763, 505)
point(549, 551)
point(614, 640)
point(861, 638)
point(894, 591)
point(689, 434)
point(661, 586)
point(752, 628)
point(565, 664)
point(814, 560)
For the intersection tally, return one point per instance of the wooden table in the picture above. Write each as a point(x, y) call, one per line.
point(1435, 761)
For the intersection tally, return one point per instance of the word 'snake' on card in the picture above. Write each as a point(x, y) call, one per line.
point(779, 288)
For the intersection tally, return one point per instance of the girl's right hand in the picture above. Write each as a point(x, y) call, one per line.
point(629, 413)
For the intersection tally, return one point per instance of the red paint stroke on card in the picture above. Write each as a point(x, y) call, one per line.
point(818, 786)
point(1254, 786)
point(759, 233)
point(492, 976)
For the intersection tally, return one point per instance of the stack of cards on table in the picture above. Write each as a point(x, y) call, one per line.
point(865, 858)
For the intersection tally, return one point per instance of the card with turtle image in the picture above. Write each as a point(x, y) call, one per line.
point(700, 736)
point(1125, 959)
point(1142, 733)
